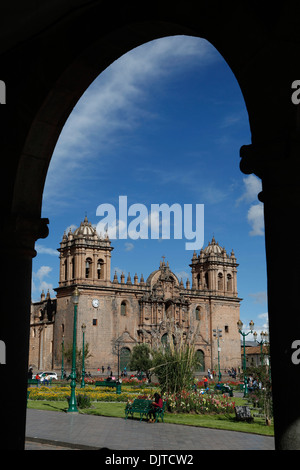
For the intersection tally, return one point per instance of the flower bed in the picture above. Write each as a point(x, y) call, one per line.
point(183, 402)
point(55, 393)
point(191, 402)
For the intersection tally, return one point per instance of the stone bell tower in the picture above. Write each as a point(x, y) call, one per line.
point(85, 257)
point(215, 271)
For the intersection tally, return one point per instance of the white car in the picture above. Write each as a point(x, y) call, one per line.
point(51, 375)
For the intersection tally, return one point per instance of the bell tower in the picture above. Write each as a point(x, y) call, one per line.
point(85, 257)
point(215, 271)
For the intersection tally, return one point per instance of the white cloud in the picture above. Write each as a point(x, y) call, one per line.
point(38, 282)
point(255, 218)
point(252, 188)
point(182, 275)
point(259, 297)
point(129, 246)
point(255, 214)
point(71, 227)
point(44, 250)
point(42, 272)
point(114, 102)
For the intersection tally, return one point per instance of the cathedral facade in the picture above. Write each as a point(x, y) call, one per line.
point(120, 313)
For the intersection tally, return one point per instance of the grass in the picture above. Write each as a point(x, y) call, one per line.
point(116, 410)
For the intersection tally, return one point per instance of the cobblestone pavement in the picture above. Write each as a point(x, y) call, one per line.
point(46, 430)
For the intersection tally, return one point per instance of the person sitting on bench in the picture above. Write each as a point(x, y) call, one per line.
point(156, 405)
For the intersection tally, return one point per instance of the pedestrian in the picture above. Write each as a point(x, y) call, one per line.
point(155, 405)
point(30, 374)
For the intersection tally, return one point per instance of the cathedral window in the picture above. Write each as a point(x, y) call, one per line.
point(197, 313)
point(73, 267)
point(229, 282)
point(220, 281)
point(206, 280)
point(100, 270)
point(88, 268)
point(66, 270)
point(123, 308)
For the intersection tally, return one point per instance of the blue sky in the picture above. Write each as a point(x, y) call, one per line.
point(163, 124)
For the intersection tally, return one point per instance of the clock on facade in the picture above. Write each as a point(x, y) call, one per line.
point(95, 303)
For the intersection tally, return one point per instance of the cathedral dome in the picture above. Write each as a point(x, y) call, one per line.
point(213, 248)
point(85, 229)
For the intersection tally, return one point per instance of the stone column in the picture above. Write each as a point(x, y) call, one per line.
point(279, 167)
point(18, 235)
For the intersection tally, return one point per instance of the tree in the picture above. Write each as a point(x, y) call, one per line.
point(68, 357)
point(141, 359)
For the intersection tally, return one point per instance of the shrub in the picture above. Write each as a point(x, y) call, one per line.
point(83, 401)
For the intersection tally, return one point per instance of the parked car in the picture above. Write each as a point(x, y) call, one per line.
point(51, 375)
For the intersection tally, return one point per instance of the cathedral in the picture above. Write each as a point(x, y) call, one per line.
point(118, 313)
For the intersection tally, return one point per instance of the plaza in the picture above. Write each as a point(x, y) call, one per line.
point(46, 429)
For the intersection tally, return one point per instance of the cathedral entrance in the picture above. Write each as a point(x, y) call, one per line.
point(124, 358)
point(201, 361)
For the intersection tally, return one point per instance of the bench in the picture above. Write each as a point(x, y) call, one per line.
point(33, 382)
point(224, 389)
point(111, 384)
point(143, 407)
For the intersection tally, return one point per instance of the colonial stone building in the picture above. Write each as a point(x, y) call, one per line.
point(121, 313)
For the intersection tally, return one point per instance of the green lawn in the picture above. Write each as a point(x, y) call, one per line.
point(116, 410)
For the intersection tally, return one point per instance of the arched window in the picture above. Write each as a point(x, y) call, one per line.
point(198, 281)
point(88, 268)
point(169, 309)
point(229, 282)
point(200, 360)
point(100, 269)
point(206, 280)
point(66, 269)
point(123, 308)
point(220, 281)
point(165, 339)
point(73, 267)
point(197, 313)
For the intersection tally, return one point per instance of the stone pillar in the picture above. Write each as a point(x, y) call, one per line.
point(279, 167)
point(17, 240)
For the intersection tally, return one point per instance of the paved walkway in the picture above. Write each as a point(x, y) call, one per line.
point(47, 430)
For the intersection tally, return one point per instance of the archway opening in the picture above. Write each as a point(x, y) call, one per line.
point(140, 151)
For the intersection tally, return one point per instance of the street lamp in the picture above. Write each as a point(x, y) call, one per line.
point(240, 326)
point(72, 402)
point(218, 334)
point(83, 328)
point(62, 358)
point(264, 339)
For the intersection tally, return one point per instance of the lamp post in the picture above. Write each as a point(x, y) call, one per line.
point(72, 402)
point(83, 328)
point(264, 339)
point(62, 358)
point(240, 326)
point(218, 334)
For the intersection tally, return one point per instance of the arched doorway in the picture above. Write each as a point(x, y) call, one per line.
point(124, 358)
point(201, 360)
